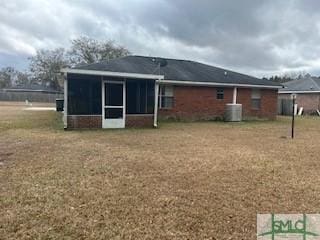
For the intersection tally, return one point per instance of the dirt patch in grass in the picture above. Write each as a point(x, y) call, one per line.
point(181, 181)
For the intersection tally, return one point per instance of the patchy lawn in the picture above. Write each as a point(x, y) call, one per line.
point(203, 180)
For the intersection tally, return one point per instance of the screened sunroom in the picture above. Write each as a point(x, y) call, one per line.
point(109, 101)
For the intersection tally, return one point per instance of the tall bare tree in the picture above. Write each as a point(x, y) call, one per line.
point(22, 79)
point(10, 76)
point(7, 77)
point(45, 67)
point(87, 50)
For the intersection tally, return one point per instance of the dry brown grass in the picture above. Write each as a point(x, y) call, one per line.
point(203, 180)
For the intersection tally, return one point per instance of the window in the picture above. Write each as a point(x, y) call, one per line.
point(220, 93)
point(166, 97)
point(255, 99)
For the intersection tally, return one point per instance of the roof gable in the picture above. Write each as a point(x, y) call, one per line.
point(304, 84)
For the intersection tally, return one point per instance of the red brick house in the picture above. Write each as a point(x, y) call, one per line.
point(136, 91)
point(307, 91)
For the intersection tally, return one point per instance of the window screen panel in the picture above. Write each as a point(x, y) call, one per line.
point(113, 113)
point(84, 95)
point(113, 94)
point(143, 97)
point(139, 97)
point(150, 97)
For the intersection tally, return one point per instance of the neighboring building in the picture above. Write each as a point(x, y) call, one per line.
point(136, 90)
point(32, 93)
point(307, 91)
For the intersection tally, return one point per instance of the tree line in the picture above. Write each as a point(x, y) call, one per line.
point(288, 77)
point(44, 67)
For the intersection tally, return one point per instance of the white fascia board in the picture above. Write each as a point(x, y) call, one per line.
point(112, 74)
point(284, 91)
point(191, 83)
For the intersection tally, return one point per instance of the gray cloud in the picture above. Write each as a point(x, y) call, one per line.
point(255, 37)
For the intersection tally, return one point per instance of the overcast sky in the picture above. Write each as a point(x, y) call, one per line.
point(257, 37)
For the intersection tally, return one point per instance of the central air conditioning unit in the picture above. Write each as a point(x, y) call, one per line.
point(233, 112)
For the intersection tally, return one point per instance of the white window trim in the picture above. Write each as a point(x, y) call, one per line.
point(255, 98)
point(217, 93)
point(161, 96)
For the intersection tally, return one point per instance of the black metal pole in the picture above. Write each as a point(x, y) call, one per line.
point(292, 123)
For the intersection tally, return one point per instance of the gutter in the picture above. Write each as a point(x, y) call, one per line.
point(112, 74)
point(192, 83)
point(298, 91)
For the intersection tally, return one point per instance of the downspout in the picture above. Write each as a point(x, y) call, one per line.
point(156, 97)
point(234, 98)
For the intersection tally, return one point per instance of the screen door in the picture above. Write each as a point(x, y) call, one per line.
point(113, 113)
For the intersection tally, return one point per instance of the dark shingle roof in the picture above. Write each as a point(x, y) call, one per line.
point(307, 83)
point(174, 69)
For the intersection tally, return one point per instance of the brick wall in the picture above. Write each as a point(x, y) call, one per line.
point(195, 103)
point(84, 122)
point(75, 122)
point(309, 101)
point(139, 121)
point(268, 107)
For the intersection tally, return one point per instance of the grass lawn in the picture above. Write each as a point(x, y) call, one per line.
point(205, 180)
